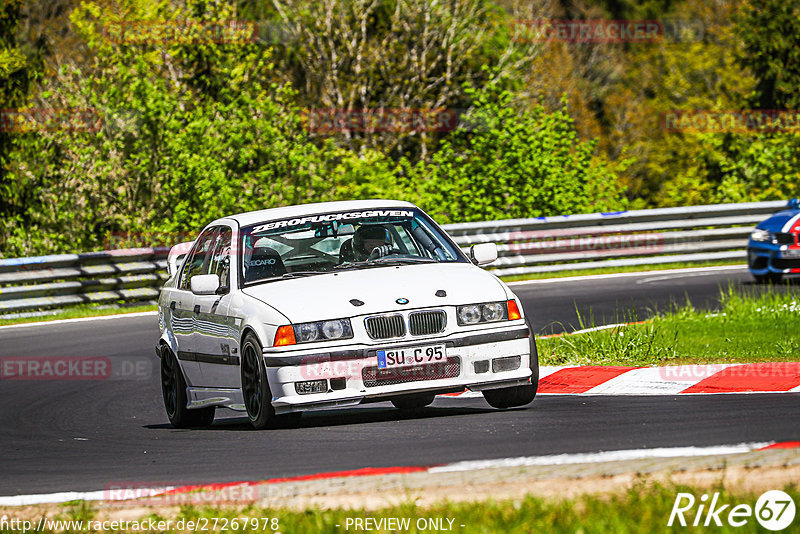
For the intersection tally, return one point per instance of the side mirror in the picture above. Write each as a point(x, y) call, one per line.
point(205, 284)
point(483, 254)
point(794, 204)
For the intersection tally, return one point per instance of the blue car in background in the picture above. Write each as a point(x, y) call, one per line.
point(773, 249)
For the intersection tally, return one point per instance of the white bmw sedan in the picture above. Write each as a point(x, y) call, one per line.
point(323, 306)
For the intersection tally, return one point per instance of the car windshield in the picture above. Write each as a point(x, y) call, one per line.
point(327, 242)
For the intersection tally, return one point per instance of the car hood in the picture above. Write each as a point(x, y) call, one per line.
point(327, 296)
point(778, 221)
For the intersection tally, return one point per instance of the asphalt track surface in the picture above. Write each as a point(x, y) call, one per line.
point(88, 435)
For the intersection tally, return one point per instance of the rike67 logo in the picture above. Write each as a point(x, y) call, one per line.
point(774, 510)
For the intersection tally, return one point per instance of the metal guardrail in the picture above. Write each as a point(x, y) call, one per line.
point(620, 239)
point(44, 282)
point(525, 246)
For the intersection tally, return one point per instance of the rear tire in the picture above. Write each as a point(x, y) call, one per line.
point(255, 386)
point(413, 402)
point(173, 389)
point(517, 395)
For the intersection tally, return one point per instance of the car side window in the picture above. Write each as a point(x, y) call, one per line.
point(220, 263)
point(198, 262)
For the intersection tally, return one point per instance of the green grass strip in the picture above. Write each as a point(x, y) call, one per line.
point(646, 507)
point(80, 311)
point(616, 270)
point(749, 327)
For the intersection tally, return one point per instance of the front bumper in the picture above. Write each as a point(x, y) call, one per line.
point(352, 376)
point(765, 258)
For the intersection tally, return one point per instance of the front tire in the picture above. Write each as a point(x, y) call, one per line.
point(255, 386)
point(769, 278)
point(517, 395)
point(173, 389)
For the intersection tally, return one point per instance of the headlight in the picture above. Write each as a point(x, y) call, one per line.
point(494, 311)
point(323, 330)
point(762, 236)
point(334, 329)
point(306, 332)
point(469, 314)
point(488, 312)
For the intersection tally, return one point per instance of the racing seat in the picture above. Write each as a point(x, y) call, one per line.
point(264, 263)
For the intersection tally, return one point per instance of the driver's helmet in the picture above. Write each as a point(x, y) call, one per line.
point(367, 238)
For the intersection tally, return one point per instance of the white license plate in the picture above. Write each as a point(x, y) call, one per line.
point(390, 359)
point(793, 253)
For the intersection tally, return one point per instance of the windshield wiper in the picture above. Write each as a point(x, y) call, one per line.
point(352, 265)
point(380, 262)
point(390, 259)
point(299, 274)
point(284, 276)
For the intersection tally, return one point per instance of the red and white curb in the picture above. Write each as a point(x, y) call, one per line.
point(774, 377)
point(120, 494)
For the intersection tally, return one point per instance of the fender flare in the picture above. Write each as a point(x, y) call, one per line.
point(167, 338)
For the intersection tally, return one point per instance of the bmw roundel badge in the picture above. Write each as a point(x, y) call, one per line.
point(402, 301)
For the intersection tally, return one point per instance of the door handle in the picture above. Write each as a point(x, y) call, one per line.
point(172, 305)
point(197, 308)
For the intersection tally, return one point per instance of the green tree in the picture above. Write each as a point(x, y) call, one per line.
point(504, 162)
point(20, 68)
point(395, 54)
point(765, 165)
point(183, 135)
point(770, 32)
point(189, 131)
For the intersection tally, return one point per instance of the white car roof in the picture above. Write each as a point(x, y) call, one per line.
point(287, 212)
